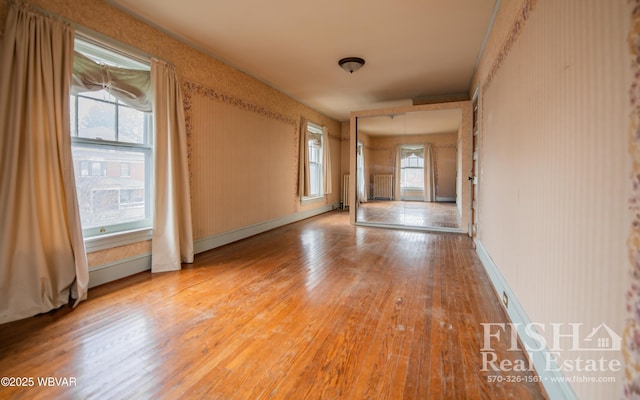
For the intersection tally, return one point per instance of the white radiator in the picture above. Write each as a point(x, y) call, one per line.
point(345, 191)
point(383, 187)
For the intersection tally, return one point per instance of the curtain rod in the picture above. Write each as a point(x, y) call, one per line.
point(101, 40)
point(93, 36)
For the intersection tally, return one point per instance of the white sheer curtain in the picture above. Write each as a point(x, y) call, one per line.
point(172, 241)
point(303, 161)
point(362, 192)
point(429, 174)
point(397, 189)
point(42, 256)
point(326, 161)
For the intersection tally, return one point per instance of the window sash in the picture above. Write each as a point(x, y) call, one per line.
point(315, 143)
point(86, 193)
point(88, 168)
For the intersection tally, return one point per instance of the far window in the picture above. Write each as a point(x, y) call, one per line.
point(125, 169)
point(315, 141)
point(412, 167)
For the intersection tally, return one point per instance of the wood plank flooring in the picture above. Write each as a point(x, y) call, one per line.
point(314, 310)
point(410, 213)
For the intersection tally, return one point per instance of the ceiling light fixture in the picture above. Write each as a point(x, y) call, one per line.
point(351, 64)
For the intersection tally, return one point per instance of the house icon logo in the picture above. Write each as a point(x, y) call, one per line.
point(602, 338)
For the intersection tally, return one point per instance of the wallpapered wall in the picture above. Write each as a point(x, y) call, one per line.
point(254, 154)
point(382, 151)
point(268, 112)
point(554, 165)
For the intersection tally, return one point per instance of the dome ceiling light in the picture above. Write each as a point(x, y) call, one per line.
point(351, 64)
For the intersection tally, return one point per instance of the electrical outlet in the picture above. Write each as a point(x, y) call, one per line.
point(505, 299)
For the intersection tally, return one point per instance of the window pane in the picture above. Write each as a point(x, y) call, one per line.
point(314, 154)
point(125, 169)
point(130, 125)
point(105, 197)
point(98, 168)
point(72, 114)
point(412, 177)
point(315, 177)
point(96, 119)
point(314, 145)
point(84, 168)
point(100, 95)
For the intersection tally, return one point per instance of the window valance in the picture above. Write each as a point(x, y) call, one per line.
point(130, 86)
point(409, 152)
point(314, 138)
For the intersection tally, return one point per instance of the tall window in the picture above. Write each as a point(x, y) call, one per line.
point(112, 151)
point(315, 142)
point(412, 167)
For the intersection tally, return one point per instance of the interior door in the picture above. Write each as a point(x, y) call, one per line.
point(474, 167)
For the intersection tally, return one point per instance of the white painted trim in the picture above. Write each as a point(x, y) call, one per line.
point(553, 381)
point(104, 242)
point(410, 227)
point(117, 270)
point(105, 273)
point(492, 21)
point(311, 200)
point(211, 242)
point(419, 198)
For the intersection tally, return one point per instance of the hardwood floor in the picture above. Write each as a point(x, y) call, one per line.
point(410, 213)
point(314, 310)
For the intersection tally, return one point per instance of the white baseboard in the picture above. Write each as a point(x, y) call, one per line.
point(211, 242)
point(553, 381)
point(119, 269)
point(446, 199)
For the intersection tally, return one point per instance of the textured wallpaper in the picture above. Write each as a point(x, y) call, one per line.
point(554, 167)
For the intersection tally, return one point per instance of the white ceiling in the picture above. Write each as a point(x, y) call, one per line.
point(413, 48)
point(412, 123)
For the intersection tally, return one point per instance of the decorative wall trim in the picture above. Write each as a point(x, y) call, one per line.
point(551, 378)
point(512, 38)
point(334, 137)
point(119, 269)
point(631, 334)
point(211, 242)
point(191, 88)
point(371, 148)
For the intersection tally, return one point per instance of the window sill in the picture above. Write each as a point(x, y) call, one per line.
point(311, 200)
point(103, 242)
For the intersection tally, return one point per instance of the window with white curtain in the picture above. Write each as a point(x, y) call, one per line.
point(111, 144)
point(315, 142)
point(412, 167)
